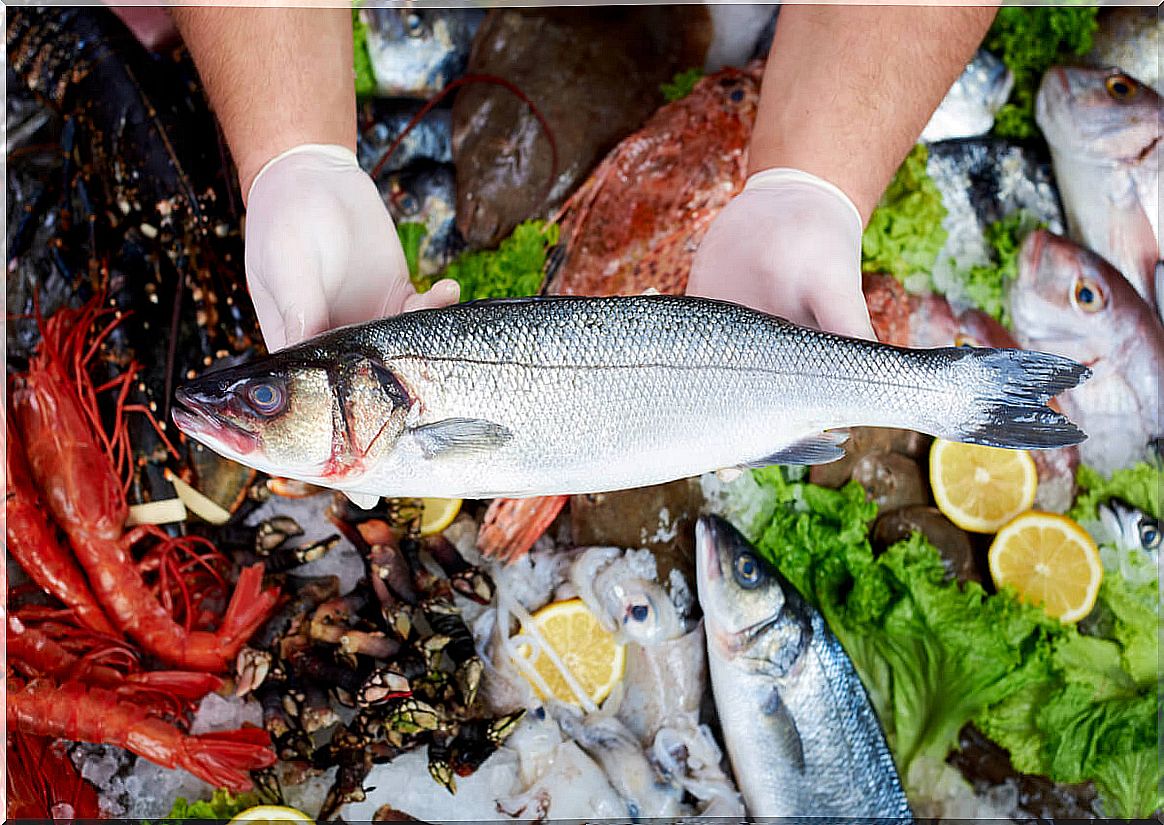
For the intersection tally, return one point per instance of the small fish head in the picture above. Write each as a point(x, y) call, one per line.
point(1131, 528)
point(300, 413)
point(645, 612)
point(1066, 294)
point(753, 615)
point(266, 415)
point(1104, 114)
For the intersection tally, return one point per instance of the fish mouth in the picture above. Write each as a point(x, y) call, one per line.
point(191, 417)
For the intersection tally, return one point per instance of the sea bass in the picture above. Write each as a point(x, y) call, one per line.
point(1070, 301)
point(800, 731)
point(565, 395)
point(1104, 129)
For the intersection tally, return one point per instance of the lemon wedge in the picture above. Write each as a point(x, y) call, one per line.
point(1049, 560)
point(594, 658)
point(437, 514)
point(981, 488)
point(272, 813)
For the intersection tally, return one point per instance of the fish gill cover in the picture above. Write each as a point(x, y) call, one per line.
point(936, 655)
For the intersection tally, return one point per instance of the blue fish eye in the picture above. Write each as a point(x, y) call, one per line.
point(1149, 535)
point(747, 570)
point(640, 612)
point(266, 398)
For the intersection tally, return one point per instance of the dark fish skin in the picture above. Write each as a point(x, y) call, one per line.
point(382, 121)
point(594, 73)
point(802, 735)
point(426, 193)
point(417, 52)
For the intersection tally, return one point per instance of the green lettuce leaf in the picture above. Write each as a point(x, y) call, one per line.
point(515, 269)
point(1141, 485)
point(987, 285)
point(365, 77)
point(1029, 40)
point(411, 234)
point(681, 84)
point(221, 805)
point(905, 231)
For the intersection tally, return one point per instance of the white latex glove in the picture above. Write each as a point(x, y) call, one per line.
point(321, 248)
point(790, 245)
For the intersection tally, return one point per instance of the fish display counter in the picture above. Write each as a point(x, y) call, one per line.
point(581, 546)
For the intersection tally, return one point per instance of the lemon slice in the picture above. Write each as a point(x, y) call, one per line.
point(272, 813)
point(594, 658)
point(1050, 561)
point(437, 514)
point(981, 488)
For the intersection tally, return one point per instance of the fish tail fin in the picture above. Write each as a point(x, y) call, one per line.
point(1010, 405)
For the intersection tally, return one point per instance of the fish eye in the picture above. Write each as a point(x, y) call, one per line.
point(265, 397)
point(407, 204)
point(414, 25)
point(747, 570)
point(1121, 87)
point(639, 612)
point(1088, 295)
point(1149, 534)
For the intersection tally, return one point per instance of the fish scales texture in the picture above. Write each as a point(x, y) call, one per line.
point(848, 770)
point(574, 395)
point(801, 733)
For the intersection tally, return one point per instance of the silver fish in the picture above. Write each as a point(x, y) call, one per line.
point(1104, 129)
point(800, 731)
point(968, 109)
point(426, 193)
point(564, 395)
point(1131, 529)
point(417, 52)
point(1070, 301)
point(382, 121)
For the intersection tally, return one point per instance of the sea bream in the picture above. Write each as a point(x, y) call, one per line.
point(799, 728)
point(565, 395)
point(1104, 129)
point(1070, 301)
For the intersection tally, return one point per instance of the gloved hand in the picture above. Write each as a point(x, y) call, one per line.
point(790, 245)
point(321, 248)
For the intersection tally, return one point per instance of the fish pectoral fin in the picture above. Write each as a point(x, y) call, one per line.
point(365, 501)
point(820, 448)
point(786, 730)
point(453, 435)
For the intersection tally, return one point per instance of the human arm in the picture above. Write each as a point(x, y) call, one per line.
point(846, 92)
point(321, 249)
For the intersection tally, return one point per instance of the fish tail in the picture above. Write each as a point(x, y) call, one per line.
point(1010, 407)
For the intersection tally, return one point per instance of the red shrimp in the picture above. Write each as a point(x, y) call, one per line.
point(33, 542)
point(75, 711)
point(82, 474)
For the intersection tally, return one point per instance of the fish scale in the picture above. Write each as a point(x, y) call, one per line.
point(576, 395)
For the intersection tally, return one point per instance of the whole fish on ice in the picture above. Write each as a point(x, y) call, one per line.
point(1104, 129)
point(799, 728)
point(1068, 300)
point(564, 395)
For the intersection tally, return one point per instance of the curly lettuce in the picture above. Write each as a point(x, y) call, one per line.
point(987, 285)
point(1029, 40)
point(905, 232)
point(515, 269)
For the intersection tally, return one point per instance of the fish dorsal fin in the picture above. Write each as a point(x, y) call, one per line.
point(787, 732)
point(820, 448)
point(460, 435)
point(365, 501)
